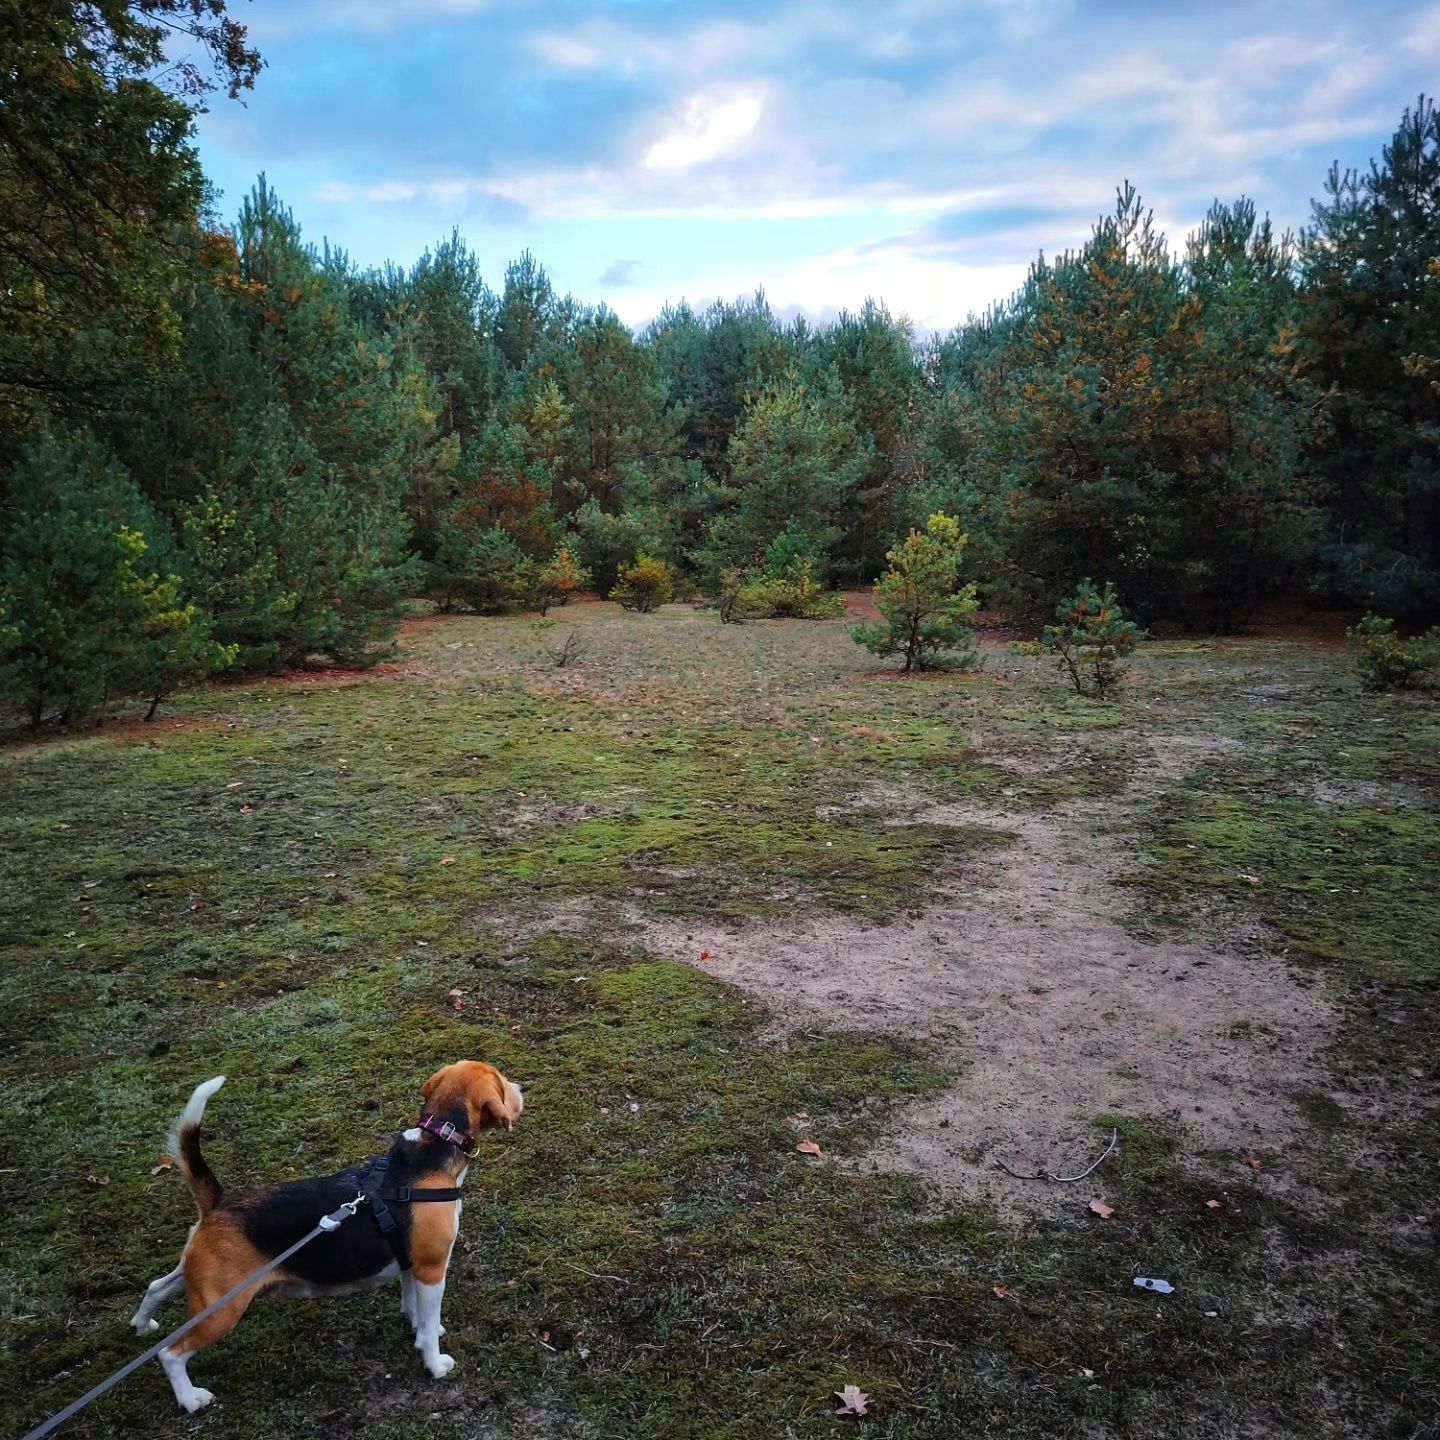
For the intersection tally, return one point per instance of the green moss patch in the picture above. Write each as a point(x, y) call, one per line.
point(1349, 889)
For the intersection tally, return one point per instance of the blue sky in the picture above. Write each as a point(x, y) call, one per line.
point(921, 151)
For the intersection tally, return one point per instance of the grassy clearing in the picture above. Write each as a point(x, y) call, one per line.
point(294, 888)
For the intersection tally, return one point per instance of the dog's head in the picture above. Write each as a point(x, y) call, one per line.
point(475, 1095)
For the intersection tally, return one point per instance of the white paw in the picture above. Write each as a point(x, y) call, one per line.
point(442, 1332)
point(198, 1400)
point(145, 1327)
point(440, 1366)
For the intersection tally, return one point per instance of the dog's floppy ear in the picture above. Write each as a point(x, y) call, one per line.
point(495, 1112)
point(428, 1088)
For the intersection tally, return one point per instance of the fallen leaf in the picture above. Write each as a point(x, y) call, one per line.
point(1249, 879)
point(453, 993)
point(704, 954)
point(1417, 1072)
point(1212, 1204)
point(448, 860)
point(247, 809)
point(234, 784)
point(166, 1163)
point(198, 905)
point(1251, 1161)
point(853, 1401)
point(809, 1147)
point(1002, 1292)
point(1100, 1208)
point(98, 1179)
point(329, 874)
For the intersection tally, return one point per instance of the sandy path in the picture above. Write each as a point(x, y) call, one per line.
point(1053, 1011)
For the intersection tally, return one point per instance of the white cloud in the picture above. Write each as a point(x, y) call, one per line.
point(707, 129)
point(1424, 36)
point(567, 52)
point(894, 117)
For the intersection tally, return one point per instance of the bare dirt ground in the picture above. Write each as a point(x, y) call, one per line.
point(1051, 1010)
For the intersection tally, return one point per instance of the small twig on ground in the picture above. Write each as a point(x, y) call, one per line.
point(594, 1276)
point(1068, 1179)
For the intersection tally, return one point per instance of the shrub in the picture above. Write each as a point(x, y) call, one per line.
point(729, 586)
point(644, 586)
point(797, 596)
point(785, 586)
point(926, 616)
point(1386, 661)
point(570, 651)
point(559, 578)
point(167, 645)
point(1090, 639)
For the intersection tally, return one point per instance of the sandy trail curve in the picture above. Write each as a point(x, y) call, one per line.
point(1053, 1011)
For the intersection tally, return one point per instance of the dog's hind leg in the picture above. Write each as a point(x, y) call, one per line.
point(213, 1267)
point(407, 1300)
point(161, 1290)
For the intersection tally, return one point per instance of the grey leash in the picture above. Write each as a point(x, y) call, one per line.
point(324, 1227)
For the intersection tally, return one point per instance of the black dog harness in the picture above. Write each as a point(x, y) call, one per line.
point(379, 1196)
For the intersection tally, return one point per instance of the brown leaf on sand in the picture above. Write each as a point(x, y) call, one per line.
point(1100, 1208)
point(853, 1401)
point(165, 1163)
point(1251, 1161)
point(809, 1147)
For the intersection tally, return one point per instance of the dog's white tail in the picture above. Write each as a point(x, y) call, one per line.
point(184, 1147)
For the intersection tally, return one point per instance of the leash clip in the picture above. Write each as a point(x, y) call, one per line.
point(344, 1213)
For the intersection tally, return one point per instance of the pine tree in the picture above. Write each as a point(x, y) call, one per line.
point(795, 460)
point(87, 618)
point(283, 451)
point(926, 611)
point(872, 355)
point(1371, 304)
point(1235, 521)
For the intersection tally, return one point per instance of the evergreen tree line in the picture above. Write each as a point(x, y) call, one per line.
point(225, 449)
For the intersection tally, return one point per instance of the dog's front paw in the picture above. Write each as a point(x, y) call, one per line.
point(145, 1327)
point(440, 1366)
point(197, 1400)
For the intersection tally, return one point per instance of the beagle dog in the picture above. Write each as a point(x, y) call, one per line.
point(240, 1230)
